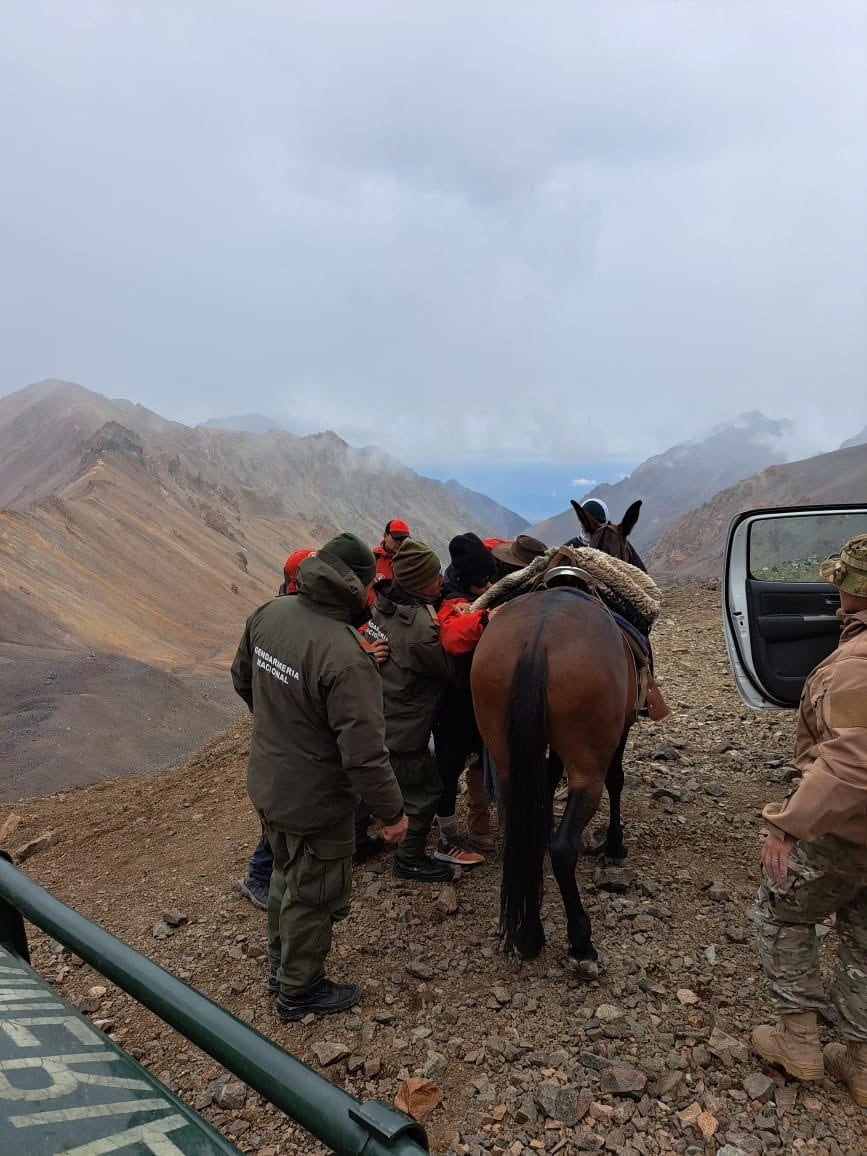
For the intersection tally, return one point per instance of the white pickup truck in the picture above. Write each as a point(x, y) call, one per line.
point(779, 616)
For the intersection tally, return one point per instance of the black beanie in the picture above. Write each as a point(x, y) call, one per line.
point(356, 554)
point(472, 561)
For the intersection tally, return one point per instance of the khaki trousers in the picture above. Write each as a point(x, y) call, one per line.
point(309, 893)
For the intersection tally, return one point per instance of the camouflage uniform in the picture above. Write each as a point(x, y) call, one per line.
point(825, 822)
point(825, 876)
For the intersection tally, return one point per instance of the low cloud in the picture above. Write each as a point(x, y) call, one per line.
point(443, 228)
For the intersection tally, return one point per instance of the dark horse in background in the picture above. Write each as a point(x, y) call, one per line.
point(555, 689)
point(610, 537)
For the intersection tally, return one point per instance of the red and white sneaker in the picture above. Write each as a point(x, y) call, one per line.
point(457, 852)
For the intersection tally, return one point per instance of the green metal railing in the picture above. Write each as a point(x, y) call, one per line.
point(347, 1126)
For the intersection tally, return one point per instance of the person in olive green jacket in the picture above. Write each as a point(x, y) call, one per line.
point(318, 744)
point(414, 678)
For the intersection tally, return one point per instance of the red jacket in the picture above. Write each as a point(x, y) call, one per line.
point(460, 633)
point(384, 563)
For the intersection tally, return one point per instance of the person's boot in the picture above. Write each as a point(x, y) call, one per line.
point(794, 1044)
point(324, 999)
point(368, 847)
point(254, 890)
point(848, 1064)
point(478, 813)
point(422, 869)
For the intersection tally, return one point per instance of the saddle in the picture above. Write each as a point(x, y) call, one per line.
point(626, 593)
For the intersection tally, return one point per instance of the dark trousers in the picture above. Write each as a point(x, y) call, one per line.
point(419, 782)
point(261, 862)
point(456, 737)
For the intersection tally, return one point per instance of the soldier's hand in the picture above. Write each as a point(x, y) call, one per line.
point(379, 650)
point(775, 857)
point(396, 833)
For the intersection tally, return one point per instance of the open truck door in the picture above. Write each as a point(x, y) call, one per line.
point(779, 616)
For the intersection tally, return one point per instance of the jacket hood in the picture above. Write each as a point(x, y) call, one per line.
point(325, 579)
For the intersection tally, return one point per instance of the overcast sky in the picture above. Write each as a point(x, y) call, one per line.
point(471, 233)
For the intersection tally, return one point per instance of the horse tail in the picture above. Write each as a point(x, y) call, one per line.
point(529, 807)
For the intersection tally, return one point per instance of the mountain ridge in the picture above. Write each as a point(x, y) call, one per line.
point(684, 476)
point(96, 494)
point(692, 546)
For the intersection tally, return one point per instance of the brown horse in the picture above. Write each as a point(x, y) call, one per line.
point(552, 674)
point(610, 537)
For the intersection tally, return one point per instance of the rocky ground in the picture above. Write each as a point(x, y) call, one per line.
point(651, 1058)
point(69, 718)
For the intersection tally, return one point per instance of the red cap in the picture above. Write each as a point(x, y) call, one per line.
point(290, 566)
point(398, 528)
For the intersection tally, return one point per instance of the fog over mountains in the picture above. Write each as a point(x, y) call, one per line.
point(222, 506)
point(689, 474)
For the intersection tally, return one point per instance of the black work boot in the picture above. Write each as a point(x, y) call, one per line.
point(423, 869)
point(273, 982)
point(324, 999)
point(367, 847)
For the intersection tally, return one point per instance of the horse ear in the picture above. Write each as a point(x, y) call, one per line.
point(588, 522)
point(627, 524)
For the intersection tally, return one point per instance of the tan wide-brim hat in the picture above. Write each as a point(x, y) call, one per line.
point(849, 571)
point(521, 552)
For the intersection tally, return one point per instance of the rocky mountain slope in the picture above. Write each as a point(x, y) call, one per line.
point(859, 439)
point(123, 532)
point(683, 477)
point(652, 1058)
point(128, 538)
point(692, 546)
point(502, 522)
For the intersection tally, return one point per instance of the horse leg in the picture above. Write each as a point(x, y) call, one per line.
point(555, 771)
point(565, 843)
point(615, 852)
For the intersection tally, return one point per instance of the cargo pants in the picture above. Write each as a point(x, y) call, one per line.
point(419, 782)
point(824, 877)
point(310, 891)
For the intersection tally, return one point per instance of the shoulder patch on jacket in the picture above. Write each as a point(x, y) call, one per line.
point(847, 708)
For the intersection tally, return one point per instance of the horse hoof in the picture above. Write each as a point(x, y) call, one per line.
point(615, 860)
point(584, 968)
